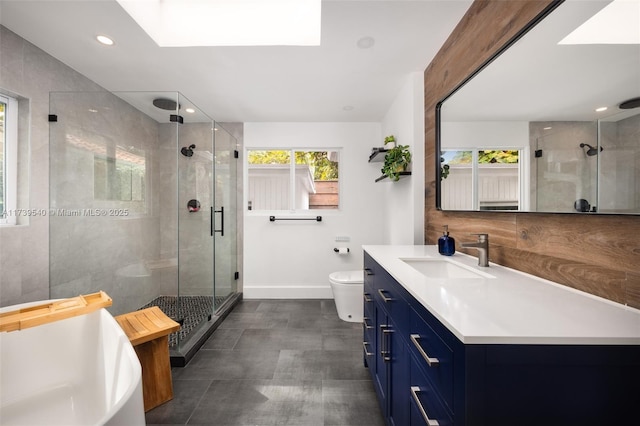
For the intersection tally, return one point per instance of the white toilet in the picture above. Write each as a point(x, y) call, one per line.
point(348, 287)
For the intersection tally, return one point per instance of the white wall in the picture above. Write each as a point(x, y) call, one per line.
point(404, 200)
point(293, 259)
point(486, 134)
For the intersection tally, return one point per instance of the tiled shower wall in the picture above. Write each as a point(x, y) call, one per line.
point(29, 73)
point(90, 252)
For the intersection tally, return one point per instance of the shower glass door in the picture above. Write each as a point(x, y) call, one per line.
point(195, 214)
point(142, 206)
point(225, 216)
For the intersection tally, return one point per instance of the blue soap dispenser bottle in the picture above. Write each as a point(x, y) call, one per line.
point(446, 244)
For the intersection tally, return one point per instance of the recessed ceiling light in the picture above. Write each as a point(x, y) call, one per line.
point(183, 23)
point(190, 110)
point(601, 109)
point(366, 42)
point(107, 41)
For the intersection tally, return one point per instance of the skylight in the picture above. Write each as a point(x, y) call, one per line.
point(182, 23)
point(616, 23)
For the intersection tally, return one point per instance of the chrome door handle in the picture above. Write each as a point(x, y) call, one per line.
point(385, 298)
point(367, 298)
point(433, 362)
point(385, 352)
point(428, 421)
point(366, 352)
point(364, 323)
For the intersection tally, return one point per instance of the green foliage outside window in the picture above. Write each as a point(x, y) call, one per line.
point(486, 157)
point(322, 167)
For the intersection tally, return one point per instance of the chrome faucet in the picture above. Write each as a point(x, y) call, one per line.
point(482, 245)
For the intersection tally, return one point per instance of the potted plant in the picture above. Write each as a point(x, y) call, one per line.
point(396, 160)
point(389, 142)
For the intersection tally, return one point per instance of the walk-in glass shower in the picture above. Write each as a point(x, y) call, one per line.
point(143, 206)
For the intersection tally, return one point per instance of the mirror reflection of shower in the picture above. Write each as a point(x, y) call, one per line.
point(591, 151)
point(188, 152)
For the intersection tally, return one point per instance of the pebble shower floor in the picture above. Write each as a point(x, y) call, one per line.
point(193, 309)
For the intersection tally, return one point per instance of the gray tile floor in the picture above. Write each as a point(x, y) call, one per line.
point(275, 362)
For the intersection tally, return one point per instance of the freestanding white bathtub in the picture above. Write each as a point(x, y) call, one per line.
point(77, 371)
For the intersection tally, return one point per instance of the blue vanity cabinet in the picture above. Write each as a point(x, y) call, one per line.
point(388, 357)
point(433, 353)
point(425, 375)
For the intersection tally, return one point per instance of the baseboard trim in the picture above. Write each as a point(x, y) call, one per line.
point(287, 292)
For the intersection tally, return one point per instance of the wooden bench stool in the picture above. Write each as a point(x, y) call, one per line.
point(148, 331)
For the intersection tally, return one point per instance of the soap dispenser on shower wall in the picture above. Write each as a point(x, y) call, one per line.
point(446, 244)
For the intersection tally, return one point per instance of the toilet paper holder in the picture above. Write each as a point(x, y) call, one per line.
point(337, 250)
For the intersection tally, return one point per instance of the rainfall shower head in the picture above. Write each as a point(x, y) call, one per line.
point(166, 104)
point(591, 151)
point(188, 152)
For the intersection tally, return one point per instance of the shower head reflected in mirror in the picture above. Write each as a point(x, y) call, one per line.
point(591, 151)
point(188, 152)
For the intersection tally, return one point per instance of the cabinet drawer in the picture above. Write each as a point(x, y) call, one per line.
point(426, 406)
point(392, 297)
point(433, 355)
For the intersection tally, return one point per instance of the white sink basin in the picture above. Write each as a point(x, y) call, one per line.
point(444, 269)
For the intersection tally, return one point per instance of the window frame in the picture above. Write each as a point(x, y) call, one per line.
point(292, 211)
point(10, 177)
point(523, 181)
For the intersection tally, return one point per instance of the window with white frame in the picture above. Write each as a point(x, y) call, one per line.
point(8, 159)
point(292, 179)
point(481, 179)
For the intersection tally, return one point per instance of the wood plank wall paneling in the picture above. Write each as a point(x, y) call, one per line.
point(596, 254)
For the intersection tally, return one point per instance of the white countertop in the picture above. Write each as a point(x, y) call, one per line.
point(511, 307)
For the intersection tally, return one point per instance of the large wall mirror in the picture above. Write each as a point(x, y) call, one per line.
point(528, 131)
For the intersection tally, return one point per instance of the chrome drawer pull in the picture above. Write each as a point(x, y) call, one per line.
point(433, 362)
point(367, 298)
point(385, 298)
point(364, 323)
point(366, 352)
point(414, 394)
point(386, 351)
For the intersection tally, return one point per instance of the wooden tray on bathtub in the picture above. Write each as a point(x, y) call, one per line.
point(53, 311)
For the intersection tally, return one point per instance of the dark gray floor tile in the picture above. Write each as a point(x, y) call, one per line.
point(186, 396)
point(350, 403)
point(288, 306)
point(275, 362)
point(347, 339)
point(244, 320)
point(230, 364)
point(258, 340)
point(319, 321)
point(312, 365)
point(246, 306)
point(261, 402)
point(328, 306)
point(223, 338)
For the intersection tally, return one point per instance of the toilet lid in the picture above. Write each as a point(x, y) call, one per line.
point(348, 277)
